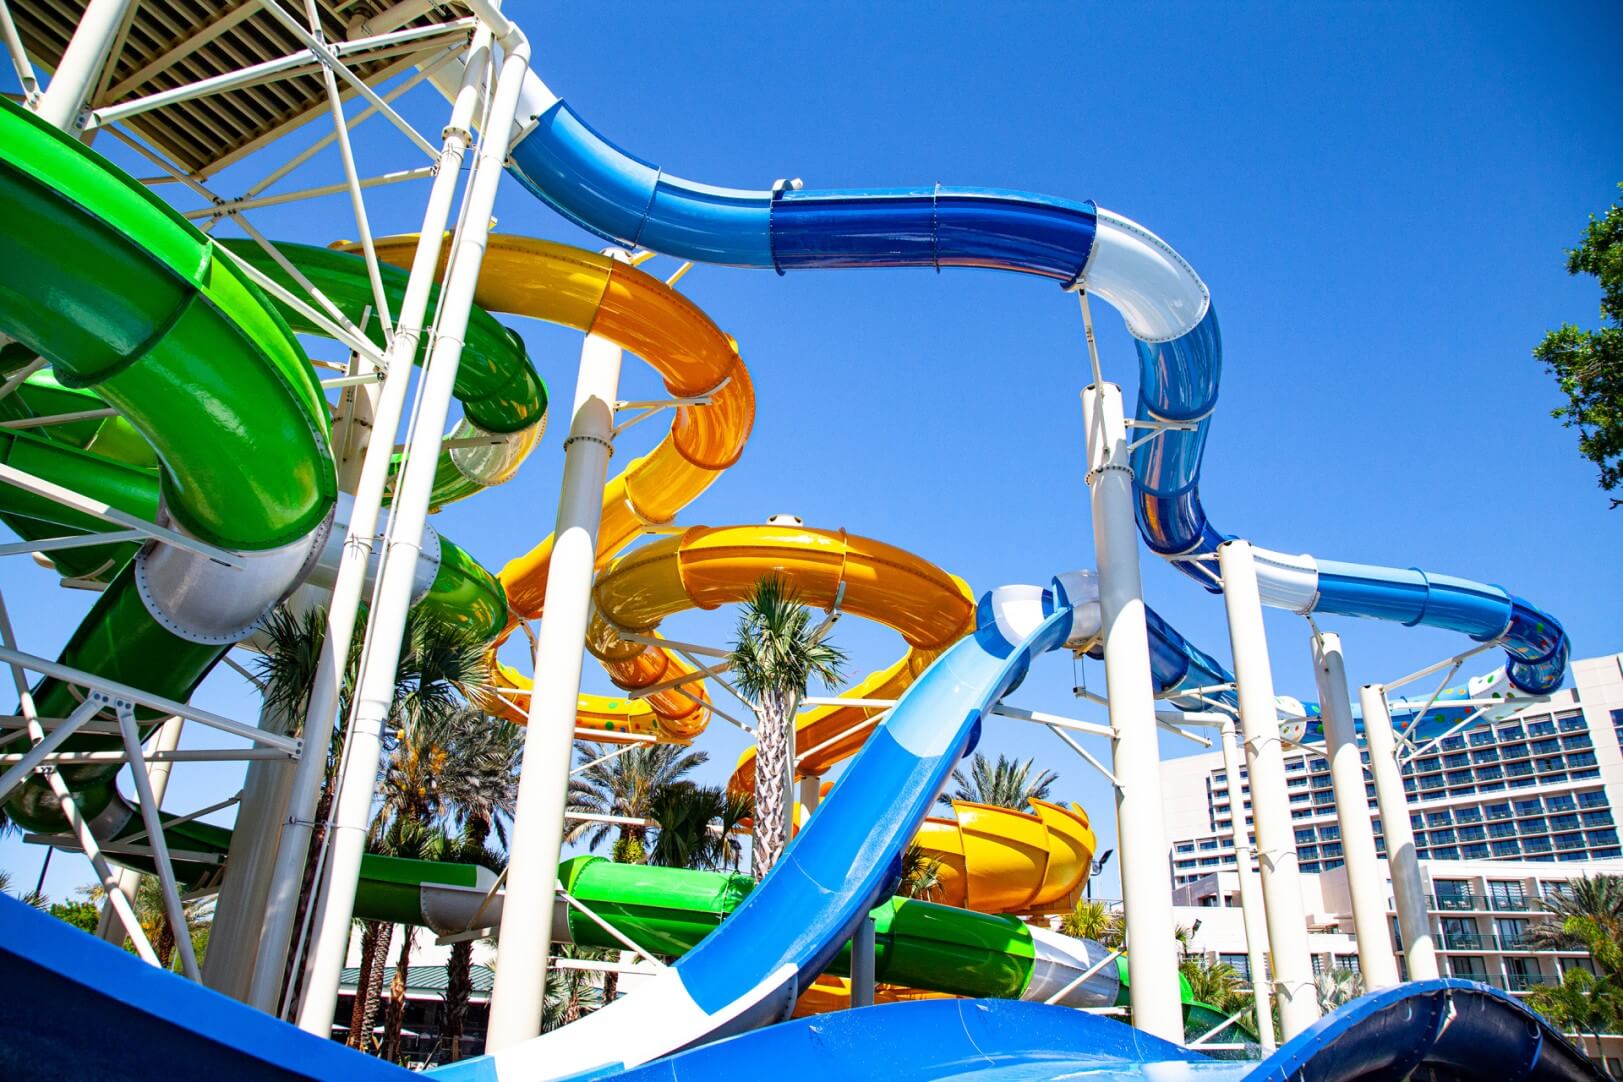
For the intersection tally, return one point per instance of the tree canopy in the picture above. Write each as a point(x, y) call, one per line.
point(1587, 364)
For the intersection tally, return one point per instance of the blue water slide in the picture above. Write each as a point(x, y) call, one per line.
point(750, 970)
point(95, 1011)
point(1166, 306)
point(1444, 1029)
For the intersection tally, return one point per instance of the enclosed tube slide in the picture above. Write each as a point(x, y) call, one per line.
point(222, 432)
point(1165, 304)
point(922, 945)
point(124, 296)
point(639, 313)
point(751, 970)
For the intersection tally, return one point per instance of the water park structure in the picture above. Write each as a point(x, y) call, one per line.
point(167, 441)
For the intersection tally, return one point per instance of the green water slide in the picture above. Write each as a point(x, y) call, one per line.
point(667, 911)
point(221, 433)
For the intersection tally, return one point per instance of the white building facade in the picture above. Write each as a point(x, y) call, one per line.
point(1542, 786)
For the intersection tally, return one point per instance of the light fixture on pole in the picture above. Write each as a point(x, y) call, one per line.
point(1098, 866)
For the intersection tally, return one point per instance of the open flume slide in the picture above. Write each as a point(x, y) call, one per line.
point(1166, 306)
point(750, 971)
point(1446, 1029)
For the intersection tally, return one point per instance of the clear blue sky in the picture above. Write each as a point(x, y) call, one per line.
point(1378, 196)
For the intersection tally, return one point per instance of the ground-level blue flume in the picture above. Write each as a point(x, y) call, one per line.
point(95, 1011)
point(1166, 306)
point(1452, 1028)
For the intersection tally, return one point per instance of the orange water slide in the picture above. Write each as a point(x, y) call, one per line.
point(706, 567)
point(605, 297)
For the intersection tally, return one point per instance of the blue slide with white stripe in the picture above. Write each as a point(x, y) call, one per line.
point(749, 972)
point(1166, 306)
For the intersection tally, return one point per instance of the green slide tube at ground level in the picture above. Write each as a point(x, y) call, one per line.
point(667, 911)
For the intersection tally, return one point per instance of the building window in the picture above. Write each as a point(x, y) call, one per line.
point(1507, 895)
point(1452, 894)
point(1512, 932)
point(1600, 818)
point(1347, 961)
point(1529, 807)
point(1240, 963)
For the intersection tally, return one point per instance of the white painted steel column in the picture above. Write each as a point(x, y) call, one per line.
point(1251, 909)
point(1376, 961)
point(109, 927)
point(543, 788)
point(1409, 893)
point(811, 792)
point(1146, 884)
point(75, 77)
point(402, 548)
point(862, 963)
point(287, 875)
point(239, 911)
point(1270, 803)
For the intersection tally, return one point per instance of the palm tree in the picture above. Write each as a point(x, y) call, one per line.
point(1586, 916)
point(459, 967)
point(1340, 985)
point(1008, 784)
point(31, 897)
point(571, 993)
point(776, 655)
point(1218, 985)
point(414, 840)
point(921, 873)
point(375, 937)
point(480, 791)
point(1088, 919)
point(439, 662)
point(695, 826)
point(624, 785)
point(1581, 1004)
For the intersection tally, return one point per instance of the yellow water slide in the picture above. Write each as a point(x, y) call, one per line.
point(706, 567)
point(605, 297)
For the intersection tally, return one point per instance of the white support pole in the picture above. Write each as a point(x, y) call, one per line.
point(1375, 958)
point(1270, 802)
point(811, 793)
point(240, 916)
point(1408, 891)
point(1146, 886)
point(35, 755)
point(862, 962)
point(174, 908)
point(1251, 910)
point(76, 75)
point(376, 680)
point(19, 57)
point(537, 838)
point(109, 927)
point(287, 875)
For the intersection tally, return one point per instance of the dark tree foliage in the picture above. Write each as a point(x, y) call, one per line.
point(1589, 364)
